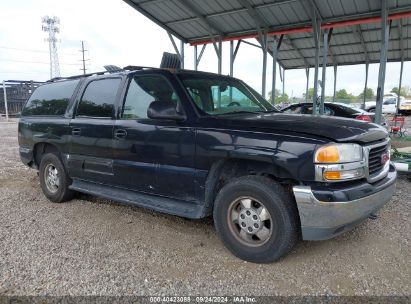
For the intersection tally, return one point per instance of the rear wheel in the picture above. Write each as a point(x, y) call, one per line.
point(256, 219)
point(371, 110)
point(54, 180)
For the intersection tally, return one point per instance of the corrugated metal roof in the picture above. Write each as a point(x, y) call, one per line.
point(194, 21)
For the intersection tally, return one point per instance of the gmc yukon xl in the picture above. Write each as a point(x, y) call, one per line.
point(197, 144)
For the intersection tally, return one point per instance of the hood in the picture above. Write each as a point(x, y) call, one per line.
point(336, 129)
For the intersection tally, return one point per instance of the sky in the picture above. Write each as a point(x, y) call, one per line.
point(115, 33)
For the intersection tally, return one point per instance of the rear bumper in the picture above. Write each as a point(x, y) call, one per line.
point(325, 214)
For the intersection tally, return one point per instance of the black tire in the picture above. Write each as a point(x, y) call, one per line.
point(283, 216)
point(62, 193)
point(371, 110)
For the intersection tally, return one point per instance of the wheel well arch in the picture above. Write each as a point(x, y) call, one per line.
point(222, 171)
point(41, 149)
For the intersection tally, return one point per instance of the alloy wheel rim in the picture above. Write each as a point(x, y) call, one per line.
point(52, 178)
point(250, 221)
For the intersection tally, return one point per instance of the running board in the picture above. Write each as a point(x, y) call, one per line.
point(186, 209)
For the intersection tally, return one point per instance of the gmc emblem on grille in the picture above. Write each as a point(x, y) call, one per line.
point(385, 157)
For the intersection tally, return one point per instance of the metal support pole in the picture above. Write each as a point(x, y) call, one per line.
point(307, 74)
point(264, 76)
point(399, 88)
point(283, 85)
point(195, 58)
point(383, 61)
point(5, 101)
point(231, 58)
point(182, 54)
point(178, 52)
point(275, 51)
point(366, 84)
point(316, 28)
point(325, 53)
point(231, 67)
point(335, 81)
point(220, 55)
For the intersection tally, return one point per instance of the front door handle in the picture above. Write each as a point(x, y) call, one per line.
point(76, 131)
point(120, 134)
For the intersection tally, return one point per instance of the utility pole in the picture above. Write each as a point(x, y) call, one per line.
point(50, 25)
point(84, 60)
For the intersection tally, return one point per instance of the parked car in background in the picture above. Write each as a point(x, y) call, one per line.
point(389, 106)
point(333, 109)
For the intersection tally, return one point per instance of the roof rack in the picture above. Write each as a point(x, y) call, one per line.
point(110, 70)
point(78, 76)
point(137, 68)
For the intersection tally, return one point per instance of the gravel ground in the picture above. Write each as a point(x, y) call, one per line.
point(91, 246)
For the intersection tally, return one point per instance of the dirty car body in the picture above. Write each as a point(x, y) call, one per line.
point(177, 160)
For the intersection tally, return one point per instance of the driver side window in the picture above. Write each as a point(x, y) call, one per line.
point(142, 91)
point(229, 96)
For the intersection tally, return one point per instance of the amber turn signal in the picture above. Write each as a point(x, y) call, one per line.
point(328, 154)
point(332, 175)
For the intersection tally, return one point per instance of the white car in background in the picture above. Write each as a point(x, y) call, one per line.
point(389, 105)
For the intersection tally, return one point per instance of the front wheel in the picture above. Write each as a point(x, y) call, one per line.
point(256, 219)
point(54, 180)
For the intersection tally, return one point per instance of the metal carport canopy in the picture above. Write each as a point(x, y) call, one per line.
point(356, 25)
point(354, 32)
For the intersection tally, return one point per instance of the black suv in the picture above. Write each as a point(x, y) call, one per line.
point(196, 144)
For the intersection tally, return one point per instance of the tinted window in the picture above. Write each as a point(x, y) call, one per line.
point(50, 99)
point(98, 98)
point(293, 110)
point(142, 91)
point(345, 109)
point(217, 95)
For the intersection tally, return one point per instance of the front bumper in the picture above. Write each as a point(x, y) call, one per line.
point(325, 213)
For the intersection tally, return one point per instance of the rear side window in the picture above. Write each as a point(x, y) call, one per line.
point(143, 90)
point(98, 98)
point(50, 99)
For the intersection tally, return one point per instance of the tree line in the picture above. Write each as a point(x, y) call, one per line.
point(342, 94)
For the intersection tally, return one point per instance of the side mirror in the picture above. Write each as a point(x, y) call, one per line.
point(163, 110)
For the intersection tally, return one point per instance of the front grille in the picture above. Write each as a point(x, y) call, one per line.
point(374, 159)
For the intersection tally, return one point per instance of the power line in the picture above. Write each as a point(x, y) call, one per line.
point(37, 62)
point(32, 50)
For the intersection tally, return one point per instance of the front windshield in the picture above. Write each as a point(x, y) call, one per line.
point(217, 95)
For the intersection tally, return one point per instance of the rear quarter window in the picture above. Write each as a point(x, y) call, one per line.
point(50, 99)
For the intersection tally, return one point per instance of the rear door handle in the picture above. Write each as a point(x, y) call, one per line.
point(120, 134)
point(76, 131)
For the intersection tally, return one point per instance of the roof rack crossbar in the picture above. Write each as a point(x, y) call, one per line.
point(78, 76)
point(137, 68)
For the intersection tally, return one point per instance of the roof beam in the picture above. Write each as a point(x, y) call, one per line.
point(358, 32)
point(317, 12)
point(349, 54)
point(142, 11)
point(259, 21)
point(211, 27)
point(291, 43)
point(305, 27)
point(229, 12)
point(349, 44)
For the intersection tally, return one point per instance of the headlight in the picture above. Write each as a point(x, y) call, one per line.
point(339, 162)
point(339, 153)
